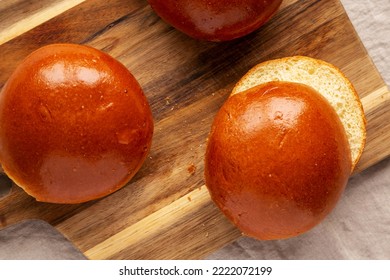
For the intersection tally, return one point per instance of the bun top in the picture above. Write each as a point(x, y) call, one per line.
point(74, 124)
point(277, 159)
point(216, 20)
point(327, 80)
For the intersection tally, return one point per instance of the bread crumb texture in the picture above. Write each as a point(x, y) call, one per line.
point(325, 78)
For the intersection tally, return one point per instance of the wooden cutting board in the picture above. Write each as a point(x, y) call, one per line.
point(165, 211)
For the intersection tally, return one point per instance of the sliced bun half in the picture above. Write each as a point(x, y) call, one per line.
point(282, 147)
point(325, 78)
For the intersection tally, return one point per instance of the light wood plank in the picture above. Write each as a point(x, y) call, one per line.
point(31, 18)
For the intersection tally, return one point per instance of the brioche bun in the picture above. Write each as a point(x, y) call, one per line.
point(278, 155)
point(75, 124)
point(216, 20)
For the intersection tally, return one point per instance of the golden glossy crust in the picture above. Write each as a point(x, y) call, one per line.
point(277, 160)
point(215, 20)
point(74, 124)
point(326, 79)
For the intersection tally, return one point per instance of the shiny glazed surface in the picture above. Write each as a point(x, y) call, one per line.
point(74, 124)
point(277, 160)
point(215, 20)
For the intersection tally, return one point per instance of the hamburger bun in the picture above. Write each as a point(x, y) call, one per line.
point(216, 20)
point(282, 147)
point(75, 124)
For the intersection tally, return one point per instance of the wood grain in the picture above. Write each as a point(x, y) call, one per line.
point(165, 211)
point(76, 25)
point(20, 17)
